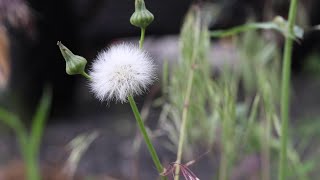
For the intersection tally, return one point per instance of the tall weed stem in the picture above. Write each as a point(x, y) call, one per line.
point(285, 91)
point(139, 120)
point(144, 133)
point(185, 110)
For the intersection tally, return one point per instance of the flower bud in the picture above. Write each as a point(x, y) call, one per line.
point(74, 64)
point(279, 21)
point(142, 17)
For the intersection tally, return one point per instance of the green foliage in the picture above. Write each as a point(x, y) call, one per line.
point(30, 143)
point(277, 24)
point(193, 55)
point(236, 111)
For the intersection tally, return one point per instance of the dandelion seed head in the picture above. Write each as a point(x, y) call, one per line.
point(120, 71)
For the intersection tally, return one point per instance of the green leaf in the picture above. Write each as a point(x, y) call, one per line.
point(13, 122)
point(39, 119)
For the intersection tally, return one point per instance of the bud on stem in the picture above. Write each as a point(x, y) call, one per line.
point(74, 64)
point(142, 17)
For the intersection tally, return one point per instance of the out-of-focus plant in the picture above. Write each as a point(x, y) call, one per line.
point(78, 147)
point(30, 142)
point(214, 110)
point(285, 91)
point(277, 24)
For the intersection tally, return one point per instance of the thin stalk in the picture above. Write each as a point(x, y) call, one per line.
point(184, 123)
point(145, 136)
point(285, 91)
point(224, 150)
point(266, 149)
point(139, 120)
point(143, 31)
point(227, 138)
point(84, 74)
point(185, 110)
point(268, 111)
point(32, 167)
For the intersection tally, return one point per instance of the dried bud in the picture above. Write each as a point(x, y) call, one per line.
point(142, 17)
point(74, 64)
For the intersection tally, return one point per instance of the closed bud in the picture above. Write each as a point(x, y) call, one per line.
point(142, 17)
point(279, 21)
point(74, 64)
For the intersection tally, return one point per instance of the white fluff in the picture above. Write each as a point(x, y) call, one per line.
point(120, 71)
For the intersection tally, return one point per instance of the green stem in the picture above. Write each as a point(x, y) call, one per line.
point(145, 136)
point(266, 148)
point(31, 161)
point(142, 129)
point(184, 122)
point(239, 29)
point(86, 75)
point(224, 161)
point(185, 110)
point(227, 114)
point(285, 91)
point(143, 31)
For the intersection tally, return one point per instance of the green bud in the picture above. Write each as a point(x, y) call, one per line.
point(74, 64)
point(279, 21)
point(141, 17)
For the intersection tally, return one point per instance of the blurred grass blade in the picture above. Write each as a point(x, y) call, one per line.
point(38, 121)
point(78, 147)
point(252, 118)
point(14, 123)
point(278, 24)
point(165, 77)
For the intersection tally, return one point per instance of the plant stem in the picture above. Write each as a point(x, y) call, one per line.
point(285, 91)
point(145, 136)
point(143, 31)
point(31, 161)
point(86, 75)
point(185, 110)
point(224, 161)
point(266, 148)
point(184, 123)
point(142, 129)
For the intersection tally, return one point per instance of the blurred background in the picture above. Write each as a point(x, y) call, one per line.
point(30, 59)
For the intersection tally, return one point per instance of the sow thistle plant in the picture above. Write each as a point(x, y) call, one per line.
point(121, 72)
point(198, 105)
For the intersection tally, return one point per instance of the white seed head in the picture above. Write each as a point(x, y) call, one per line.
point(120, 71)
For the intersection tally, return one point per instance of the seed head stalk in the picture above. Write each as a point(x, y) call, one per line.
point(140, 122)
point(285, 91)
point(144, 133)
